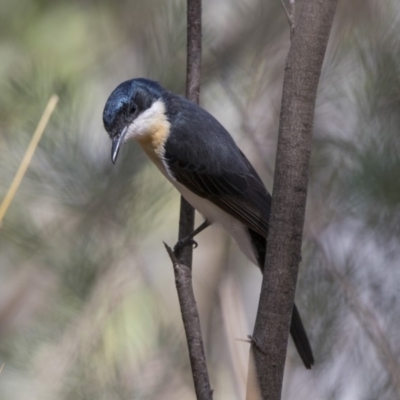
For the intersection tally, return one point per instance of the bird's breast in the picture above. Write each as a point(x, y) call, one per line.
point(153, 143)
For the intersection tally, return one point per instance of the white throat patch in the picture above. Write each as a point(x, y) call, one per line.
point(149, 122)
point(151, 129)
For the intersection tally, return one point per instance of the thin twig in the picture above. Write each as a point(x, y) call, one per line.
point(193, 67)
point(191, 323)
point(182, 258)
point(1, 368)
point(289, 17)
point(244, 340)
point(51, 105)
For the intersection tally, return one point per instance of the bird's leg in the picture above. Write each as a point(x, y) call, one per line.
point(188, 240)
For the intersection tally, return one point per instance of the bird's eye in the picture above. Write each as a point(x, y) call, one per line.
point(132, 108)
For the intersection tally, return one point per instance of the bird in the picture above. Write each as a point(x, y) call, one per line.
point(201, 159)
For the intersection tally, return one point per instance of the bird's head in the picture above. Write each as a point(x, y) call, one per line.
point(135, 109)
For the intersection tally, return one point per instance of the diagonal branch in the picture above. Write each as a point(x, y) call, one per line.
point(44, 120)
point(286, 12)
point(289, 15)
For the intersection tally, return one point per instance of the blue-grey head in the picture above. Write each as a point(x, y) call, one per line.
point(134, 109)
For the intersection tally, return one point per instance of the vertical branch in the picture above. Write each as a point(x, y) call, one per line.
point(193, 74)
point(193, 67)
point(302, 72)
point(182, 258)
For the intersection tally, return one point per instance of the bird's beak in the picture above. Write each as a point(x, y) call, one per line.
point(116, 144)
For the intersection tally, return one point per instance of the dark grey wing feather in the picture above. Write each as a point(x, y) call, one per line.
point(208, 162)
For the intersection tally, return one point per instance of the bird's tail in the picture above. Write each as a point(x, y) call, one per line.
point(300, 339)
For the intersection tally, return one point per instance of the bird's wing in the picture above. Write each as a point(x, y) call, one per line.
point(222, 174)
point(240, 195)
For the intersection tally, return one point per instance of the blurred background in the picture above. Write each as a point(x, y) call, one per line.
point(88, 306)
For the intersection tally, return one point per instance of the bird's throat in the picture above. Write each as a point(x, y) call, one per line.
point(151, 130)
point(153, 142)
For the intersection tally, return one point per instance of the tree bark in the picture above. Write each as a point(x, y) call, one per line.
point(302, 72)
point(193, 77)
point(182, 258)
point(191, 323)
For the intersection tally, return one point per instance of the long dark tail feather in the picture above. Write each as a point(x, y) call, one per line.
point(300, 339)
point(297, 330)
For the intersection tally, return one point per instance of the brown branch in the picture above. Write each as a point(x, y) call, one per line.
point(193, 74)
point(193, 67)
point(302, 72)
point(182, 259)
point(191, 322)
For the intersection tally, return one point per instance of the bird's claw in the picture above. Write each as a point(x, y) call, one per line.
point(182, 243)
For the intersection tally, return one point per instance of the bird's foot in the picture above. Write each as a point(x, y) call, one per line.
point(188, 240)
point(182, 243)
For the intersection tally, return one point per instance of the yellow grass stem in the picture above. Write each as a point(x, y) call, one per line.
point(51, 105)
